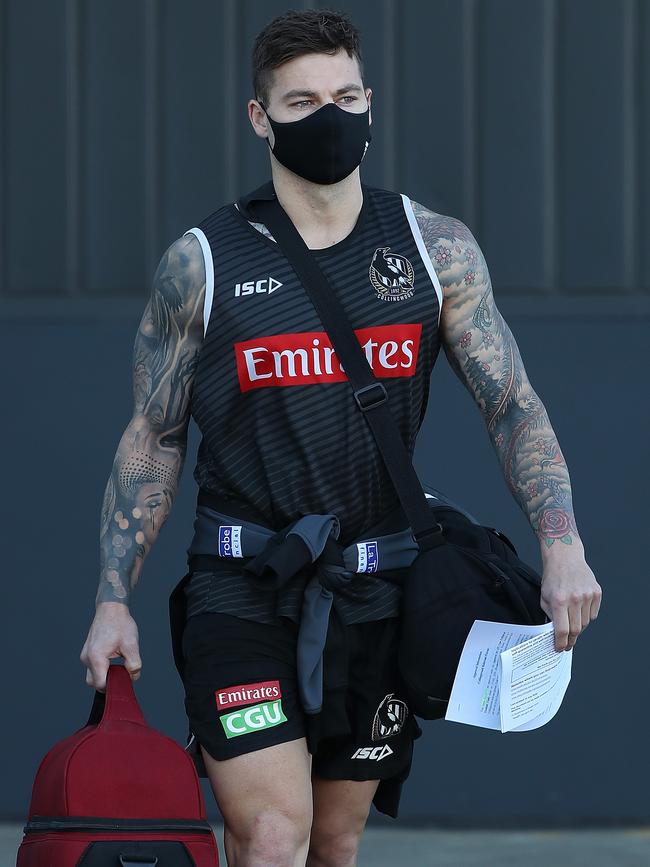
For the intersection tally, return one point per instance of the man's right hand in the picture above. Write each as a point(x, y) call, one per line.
point(112, 633)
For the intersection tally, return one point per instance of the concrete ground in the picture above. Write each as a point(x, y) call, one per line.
point(384, 847)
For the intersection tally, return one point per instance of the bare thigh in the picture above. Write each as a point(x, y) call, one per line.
point(266, 802)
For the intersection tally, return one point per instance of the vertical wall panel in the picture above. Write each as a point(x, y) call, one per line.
point(511, 165)
point(4, 69)
point(34, 147)
point(114, 234)
point(429, 120)
point(73, 152)
point(153, 176)
point(591, 201)
point(643, 214)
point(194, 123)
point(391, 80)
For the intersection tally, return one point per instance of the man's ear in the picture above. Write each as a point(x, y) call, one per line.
point(257, 117)
point(369, 98)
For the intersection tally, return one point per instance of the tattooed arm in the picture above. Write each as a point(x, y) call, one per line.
point(151, 453)
point(483, 353)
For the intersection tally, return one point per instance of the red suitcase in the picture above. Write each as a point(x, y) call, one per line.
point(118, 793)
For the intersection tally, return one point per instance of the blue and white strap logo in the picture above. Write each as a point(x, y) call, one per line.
point(367, 556)
point(230, 541)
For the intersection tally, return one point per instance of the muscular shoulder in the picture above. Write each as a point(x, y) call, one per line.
point(452, 248)
point(170, 335)
point(179, 281)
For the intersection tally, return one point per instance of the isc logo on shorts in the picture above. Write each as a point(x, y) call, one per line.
point(229, 541)
point(367, 557)
point(374, 753)
point(250, 719)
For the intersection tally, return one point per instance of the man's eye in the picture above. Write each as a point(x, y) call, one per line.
point(302, 102)
point(352, 98)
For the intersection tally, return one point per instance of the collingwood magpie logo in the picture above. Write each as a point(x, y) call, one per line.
point(389, 718)
point(392, 275)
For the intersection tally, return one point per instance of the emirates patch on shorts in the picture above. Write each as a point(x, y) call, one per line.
point(250, 719)
point(246, 693)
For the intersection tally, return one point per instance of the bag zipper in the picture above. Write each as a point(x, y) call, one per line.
point(483, 558)
point(92, 823)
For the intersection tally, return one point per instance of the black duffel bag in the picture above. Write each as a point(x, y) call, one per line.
point(470, 572)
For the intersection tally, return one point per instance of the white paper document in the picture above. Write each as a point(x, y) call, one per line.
point(509, 677)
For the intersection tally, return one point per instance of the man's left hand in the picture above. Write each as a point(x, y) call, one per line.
point(570, 595)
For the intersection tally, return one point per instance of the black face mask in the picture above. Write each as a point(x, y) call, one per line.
point(324, 147)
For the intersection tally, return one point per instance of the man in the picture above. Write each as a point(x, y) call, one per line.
point(230, 337)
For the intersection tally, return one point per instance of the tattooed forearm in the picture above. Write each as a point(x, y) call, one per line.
point(484, 355)
point(535, 470)
point(150, 456)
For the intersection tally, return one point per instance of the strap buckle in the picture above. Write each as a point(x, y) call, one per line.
point(437, 533)
point(369, 402)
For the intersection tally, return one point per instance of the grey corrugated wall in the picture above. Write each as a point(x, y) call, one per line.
point(124, 123)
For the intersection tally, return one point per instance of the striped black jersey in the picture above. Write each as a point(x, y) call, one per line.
point(280, 429)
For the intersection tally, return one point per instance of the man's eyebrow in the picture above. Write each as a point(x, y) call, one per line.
point(345, 89)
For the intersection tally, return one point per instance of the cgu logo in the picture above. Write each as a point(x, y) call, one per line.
point(308, 356)
point(250, 719)
point(267, 285)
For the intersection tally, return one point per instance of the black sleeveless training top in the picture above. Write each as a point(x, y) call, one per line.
point(281, 431)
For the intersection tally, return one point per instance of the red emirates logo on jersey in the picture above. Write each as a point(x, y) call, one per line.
point(308, 357)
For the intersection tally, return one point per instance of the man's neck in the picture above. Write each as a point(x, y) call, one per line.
point(323, 214)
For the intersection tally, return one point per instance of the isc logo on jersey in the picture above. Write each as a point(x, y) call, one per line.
point(251, 287)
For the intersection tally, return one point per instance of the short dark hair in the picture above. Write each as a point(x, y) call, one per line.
point(298, 32)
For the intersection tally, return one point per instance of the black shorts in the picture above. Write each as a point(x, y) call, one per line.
point(241, 695)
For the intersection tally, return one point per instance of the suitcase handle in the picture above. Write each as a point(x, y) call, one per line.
point(136, 858)
point(118, 702)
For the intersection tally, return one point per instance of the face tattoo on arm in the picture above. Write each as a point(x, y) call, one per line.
point(150, 456)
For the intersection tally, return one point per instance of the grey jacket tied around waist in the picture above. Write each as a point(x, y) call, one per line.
point(341, 575)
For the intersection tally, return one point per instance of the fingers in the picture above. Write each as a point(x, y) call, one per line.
point(585, 613)
point(561, 620)
point(575, 622)
point(113, 633)
point(97, 666)
point(572, 618)
point(96, 671)
point(132, 661)
point(567, 618)
point(595, 602)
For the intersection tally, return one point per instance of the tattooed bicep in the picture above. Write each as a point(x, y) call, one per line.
point(476, 339)
point(468, 301)
point(460, 266)
point(170, 335)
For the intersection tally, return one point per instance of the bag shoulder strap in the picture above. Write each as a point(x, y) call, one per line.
point(370, 394)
